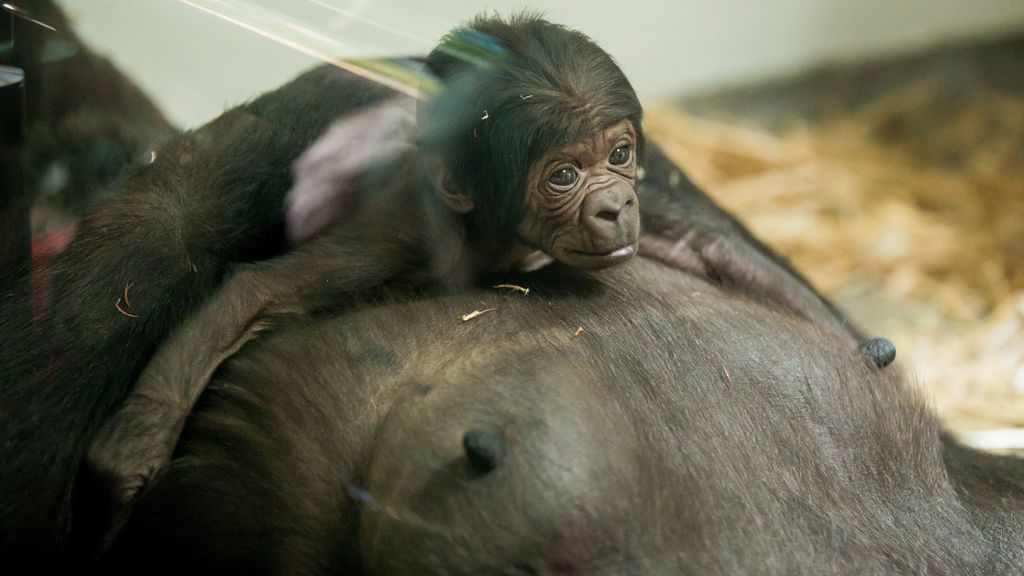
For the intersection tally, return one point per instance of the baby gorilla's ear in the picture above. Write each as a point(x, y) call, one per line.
point(453, 196)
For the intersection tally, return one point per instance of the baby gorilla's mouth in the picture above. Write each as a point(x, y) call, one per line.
point(607, 258)
point(617, 253)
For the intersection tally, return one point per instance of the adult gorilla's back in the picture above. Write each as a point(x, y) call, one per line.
point(682, 431)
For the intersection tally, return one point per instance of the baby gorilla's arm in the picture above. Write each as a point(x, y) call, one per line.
point(384, 242)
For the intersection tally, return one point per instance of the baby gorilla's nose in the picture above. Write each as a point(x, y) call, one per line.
point(610, 214)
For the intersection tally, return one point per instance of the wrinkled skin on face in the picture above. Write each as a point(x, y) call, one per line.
point(581, 207)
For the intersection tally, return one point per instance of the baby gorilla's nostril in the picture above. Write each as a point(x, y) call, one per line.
point(483, 450)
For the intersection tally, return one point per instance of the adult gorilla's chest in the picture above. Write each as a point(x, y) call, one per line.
point(678, 424)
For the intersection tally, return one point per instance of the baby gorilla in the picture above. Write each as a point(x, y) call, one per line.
point(528, 154)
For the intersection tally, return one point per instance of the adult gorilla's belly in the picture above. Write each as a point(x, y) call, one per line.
point(682, 431)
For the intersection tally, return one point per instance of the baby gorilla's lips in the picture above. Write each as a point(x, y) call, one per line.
point(602, 259)
point(623, 252)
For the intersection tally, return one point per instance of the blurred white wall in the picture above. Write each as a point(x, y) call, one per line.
point(196, 64)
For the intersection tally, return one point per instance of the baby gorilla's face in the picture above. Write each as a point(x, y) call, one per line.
point(581, 207)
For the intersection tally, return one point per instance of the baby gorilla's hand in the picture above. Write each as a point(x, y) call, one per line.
point(327, 175)
point(128, 450)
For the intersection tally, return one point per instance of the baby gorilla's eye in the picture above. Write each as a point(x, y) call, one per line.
point(619, 156)
point(562, 178)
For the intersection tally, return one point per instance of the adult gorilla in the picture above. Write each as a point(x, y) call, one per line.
point(685, 430)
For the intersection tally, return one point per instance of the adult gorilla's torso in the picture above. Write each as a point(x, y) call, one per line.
point(682, 431)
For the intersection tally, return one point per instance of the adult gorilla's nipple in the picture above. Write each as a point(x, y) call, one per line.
point(483, 450)
point(880, 351)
